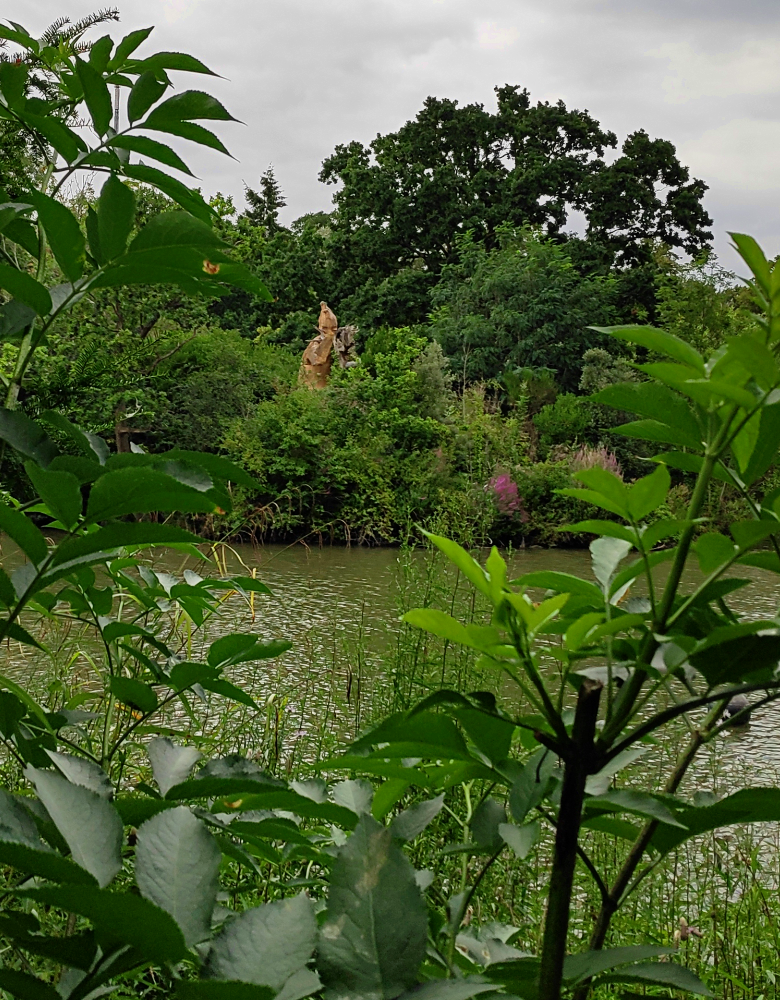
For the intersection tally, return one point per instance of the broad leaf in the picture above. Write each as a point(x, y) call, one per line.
point(25, 986)
point(587, 964)
point(488, 817)
point(658, 341)
point(119, 918)
point(63, 232)
point(520, 838)
point(374, 936)
point(171, 764)
point(96, 95)
point(659, 974)
point(25, 289)
point(146, 91)
point(354, 794)
point(80, 771)
point(116, 216)
point(89, 823)
point(134, 693)
point(265, 945)
point(59, 491)
point(750, 805)
point(24, 533)
point(143, 491)
point(412, 821)
point(177, 867)
point(27, 437)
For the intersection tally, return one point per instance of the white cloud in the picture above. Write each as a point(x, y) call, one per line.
point(753, 68)
point(742, 154)
point(491, 35)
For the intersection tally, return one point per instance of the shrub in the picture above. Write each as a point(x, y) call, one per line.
point(569, 420)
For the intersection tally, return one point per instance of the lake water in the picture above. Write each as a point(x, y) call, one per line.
point(340, 607)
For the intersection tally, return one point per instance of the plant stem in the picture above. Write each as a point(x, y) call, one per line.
point(579, 764)
point(610, 904)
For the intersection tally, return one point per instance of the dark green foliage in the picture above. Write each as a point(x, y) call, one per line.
point(458, 169)
point(522, 304)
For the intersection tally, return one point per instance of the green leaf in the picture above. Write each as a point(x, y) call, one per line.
point(119, 918)
point(531, 786)
point(753, 256)
point(25, 289)
point(265, 945)
point(76, 951)
point(174, 60)
point(189, 106)
point(83, 772)
point(354, 794)
point(374, 936)
point(648, 493)
point(25, 986)
point(96, 95)
point(606, 556)
point(468, 566)
point(26, 437)
point(658, 341)
point(116, 216)
point(149, 147)
point(587, 964)
point(750, 805)
point(653, 430)
point(561, 583)
point(648, 399)
point(138, 534)
point(89, 823)
point(164, 232)
point(24, 533)
point(24, 233)
point(146, 91)
point(43, 863)
point(626, 800)
point(171, 764)
point(100, 53)
point(749, 533)
point(177, 868)
point(134, 693)
point(243, 648)
point(490, 733)
point(660, 974)
point(520, 838)
point(488, 817)
point(143, 491)
point(190, 201)
point(431, 734)
point(128, 45)
point(412, 821)
point(63, 232)
point(736, 660)
point(59, 491)
point(190, 131)
point(765, 449)
point(713, 550)
point(65, 141)
point(610, 529)
point(90, 445)
point(441, 624)
point(15, 317)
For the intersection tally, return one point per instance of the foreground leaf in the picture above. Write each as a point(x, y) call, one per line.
point(374, 936)
point(177, 868)
point(265, 945)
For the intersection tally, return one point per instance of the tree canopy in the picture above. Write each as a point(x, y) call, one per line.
point(408, 195)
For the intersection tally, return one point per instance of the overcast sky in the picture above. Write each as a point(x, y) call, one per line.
point(304, 75)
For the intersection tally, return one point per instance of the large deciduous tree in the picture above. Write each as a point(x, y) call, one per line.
point(405, 198)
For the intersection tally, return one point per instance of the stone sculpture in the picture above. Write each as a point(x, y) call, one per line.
point(318, 356)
